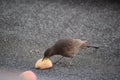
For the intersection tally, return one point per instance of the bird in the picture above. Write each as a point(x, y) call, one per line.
point(67, 47)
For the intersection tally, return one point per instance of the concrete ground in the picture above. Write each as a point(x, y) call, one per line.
point(29, 27)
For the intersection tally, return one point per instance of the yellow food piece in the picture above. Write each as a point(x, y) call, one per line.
point(45, 64)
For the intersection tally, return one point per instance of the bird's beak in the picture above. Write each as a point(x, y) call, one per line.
point(44, 58)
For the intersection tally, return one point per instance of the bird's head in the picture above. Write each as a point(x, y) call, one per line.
point(48, 53)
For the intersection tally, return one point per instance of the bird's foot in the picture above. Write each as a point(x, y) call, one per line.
point(69, 64)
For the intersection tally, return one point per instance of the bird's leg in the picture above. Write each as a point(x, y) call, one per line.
point(58, 60)
point(96, 47)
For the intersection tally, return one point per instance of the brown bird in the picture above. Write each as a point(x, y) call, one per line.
point(66, 48)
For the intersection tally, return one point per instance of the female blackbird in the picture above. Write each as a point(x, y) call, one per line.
point(66, 48)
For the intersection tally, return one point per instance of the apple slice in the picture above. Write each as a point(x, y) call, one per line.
point(43, 64)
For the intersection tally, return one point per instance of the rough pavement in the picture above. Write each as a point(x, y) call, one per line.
point(29, 27)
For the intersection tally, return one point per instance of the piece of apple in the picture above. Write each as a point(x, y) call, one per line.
point(43, 64)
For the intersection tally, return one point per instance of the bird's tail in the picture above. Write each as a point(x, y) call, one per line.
point(96, 47)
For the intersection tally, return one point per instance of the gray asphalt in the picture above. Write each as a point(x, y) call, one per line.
point(29, 27)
